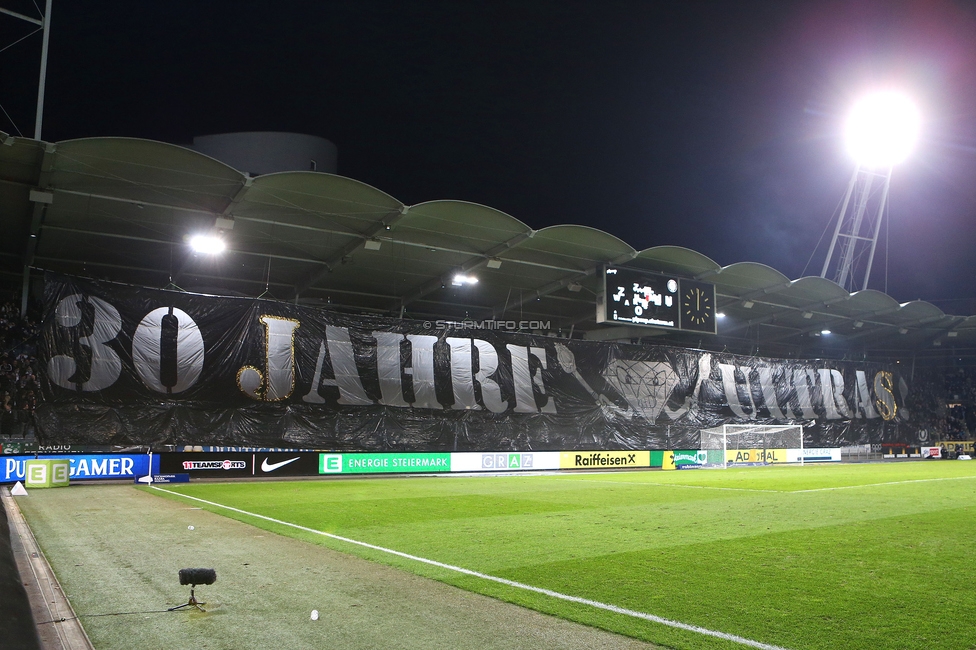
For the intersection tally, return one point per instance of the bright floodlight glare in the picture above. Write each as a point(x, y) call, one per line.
point(207, 244)
point(461, 279)
point(825, 332)
point(882, 129)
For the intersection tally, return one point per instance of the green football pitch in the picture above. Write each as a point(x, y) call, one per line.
point(841, 556)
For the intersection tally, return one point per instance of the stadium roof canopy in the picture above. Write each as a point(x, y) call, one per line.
point(122, 209)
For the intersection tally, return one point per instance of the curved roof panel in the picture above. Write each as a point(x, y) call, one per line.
point(677, 260)
point(121, 208)
point(468, 227)
point(144, 170)
point(744, 278)
point(573, 247)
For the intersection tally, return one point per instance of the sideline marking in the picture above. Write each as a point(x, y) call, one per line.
point(914, 480)
point(682, 485)
point(504, 581)
point(823, 489)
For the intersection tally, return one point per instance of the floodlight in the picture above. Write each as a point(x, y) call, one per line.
point(208, 244)
point(460, 279)
point(720, 315)
point(825, 332)
point(882, 129)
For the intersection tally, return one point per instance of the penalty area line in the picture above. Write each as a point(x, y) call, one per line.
point(484, 576)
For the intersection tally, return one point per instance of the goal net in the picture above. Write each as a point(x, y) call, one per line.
point(751, 444)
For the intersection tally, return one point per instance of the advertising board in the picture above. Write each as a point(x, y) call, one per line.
point(503, 461)
point(603, 459)
point(689, 458)
point(384, 463)
point(755, 456)
point(813, 455)
point(83, 466)
point(237, 464)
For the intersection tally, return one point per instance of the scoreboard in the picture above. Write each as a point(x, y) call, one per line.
point(635, 297)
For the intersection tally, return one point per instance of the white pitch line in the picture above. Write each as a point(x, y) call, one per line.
point(823, 489)
point(682, 485)
point(914, 480)
point(484, 576)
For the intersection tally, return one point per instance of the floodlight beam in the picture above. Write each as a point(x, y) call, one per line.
point(207, 244)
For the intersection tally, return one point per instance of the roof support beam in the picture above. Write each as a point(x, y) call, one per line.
point(167, 242)
point(136, 202)
point(809, 307)
point(895, 328)
point(41, 199)
point(328, 264)
point(473, 263)
point(559, 284)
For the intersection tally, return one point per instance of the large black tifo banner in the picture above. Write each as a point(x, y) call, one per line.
point(128, 365)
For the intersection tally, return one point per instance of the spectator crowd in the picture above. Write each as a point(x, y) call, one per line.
point(19, 383)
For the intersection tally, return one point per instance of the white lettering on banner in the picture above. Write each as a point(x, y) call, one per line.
point(79, 467)
point(345, 375)
point(525, 379)
point(422, 371)
point(797, 392)
point(105, 363)
point(388, 368)
point(731, 388)
point(491, 393)
point(147, 350)
point(832, 389)
point(804, 381)
point(14, 469)
point(462, 377)
point(768, 387)
point(863, 406)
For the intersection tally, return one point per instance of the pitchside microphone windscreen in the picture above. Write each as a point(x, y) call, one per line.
point(198, 576)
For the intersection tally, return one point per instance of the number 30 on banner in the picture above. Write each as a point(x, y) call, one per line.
point(161, 329)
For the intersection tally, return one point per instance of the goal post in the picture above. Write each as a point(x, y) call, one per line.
point(751, 444)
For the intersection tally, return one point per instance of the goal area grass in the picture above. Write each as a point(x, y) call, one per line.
point(866, 556)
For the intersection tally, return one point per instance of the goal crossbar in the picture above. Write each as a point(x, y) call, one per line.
point(750, 444)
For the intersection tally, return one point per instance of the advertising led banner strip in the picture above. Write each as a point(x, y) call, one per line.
point(84, 467)
point(128, 365)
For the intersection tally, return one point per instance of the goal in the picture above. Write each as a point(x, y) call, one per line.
point(751, 444)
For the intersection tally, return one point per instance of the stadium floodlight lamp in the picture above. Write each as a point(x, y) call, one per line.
point(882, 129)
point(460, 280)
point(825, 332)
point(207, 244)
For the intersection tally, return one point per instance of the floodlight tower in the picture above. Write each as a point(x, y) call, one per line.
point(880, 132)
point(44, 26)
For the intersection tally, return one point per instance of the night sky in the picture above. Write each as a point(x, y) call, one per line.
point(710, 125)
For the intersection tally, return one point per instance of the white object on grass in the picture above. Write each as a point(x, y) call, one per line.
point(315, 614)
point(18, 490)
point(189, 527)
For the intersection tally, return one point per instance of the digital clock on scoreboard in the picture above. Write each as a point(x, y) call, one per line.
point(648, 299)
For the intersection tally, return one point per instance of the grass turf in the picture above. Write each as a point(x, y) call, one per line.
point(116, 552)
point(848, 556)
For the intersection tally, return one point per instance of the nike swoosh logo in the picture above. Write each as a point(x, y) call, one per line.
point(270, 467)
